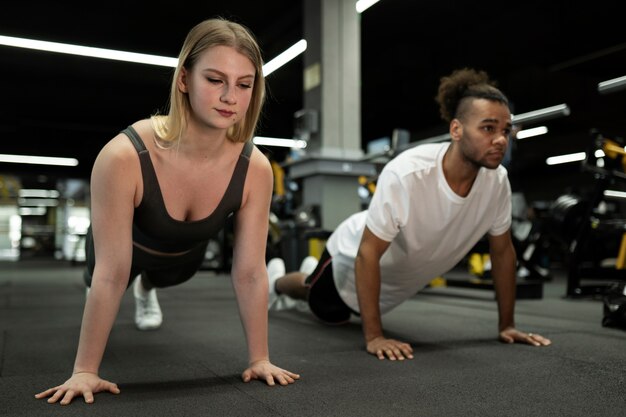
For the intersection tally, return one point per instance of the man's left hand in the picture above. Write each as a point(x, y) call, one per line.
point(512, 335)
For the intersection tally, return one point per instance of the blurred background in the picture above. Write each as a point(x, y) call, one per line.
point(542, 54)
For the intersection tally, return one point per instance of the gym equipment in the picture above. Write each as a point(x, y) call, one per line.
point(614, 306)
point(595, 227)
point(478, 275)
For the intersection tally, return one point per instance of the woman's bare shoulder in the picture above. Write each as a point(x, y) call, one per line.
point(260, 177)
point(119, 151)
point(259, 162)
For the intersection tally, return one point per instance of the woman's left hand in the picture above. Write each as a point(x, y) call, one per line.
point(264, 370)
point(512, 335)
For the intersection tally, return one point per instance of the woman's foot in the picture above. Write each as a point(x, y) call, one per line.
point(148, 314)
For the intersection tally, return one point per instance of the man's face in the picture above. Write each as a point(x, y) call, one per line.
point(486, 128)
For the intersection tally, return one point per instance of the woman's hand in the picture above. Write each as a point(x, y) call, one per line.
point(263, 369)
point(81, 383)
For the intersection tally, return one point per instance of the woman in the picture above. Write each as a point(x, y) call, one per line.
point(164, 186)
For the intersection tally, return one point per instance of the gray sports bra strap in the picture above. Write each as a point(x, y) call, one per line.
point(135, 139)
point(247, 149)
point(234, 191)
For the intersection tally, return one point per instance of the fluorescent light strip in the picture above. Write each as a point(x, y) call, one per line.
point(563, 159)
point(285, 143)
point(542, 114)
point(38, 202)
point(89, 51)
point(363, 5)
point(291, 52)
point(528, 133)
point(610, 86)
point(614, 194)
point(64, 48)
point(32, 211)
point(573, 157)
point(38, 160)
point(38, 193)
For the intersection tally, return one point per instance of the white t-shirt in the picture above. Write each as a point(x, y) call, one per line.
point(430, 227)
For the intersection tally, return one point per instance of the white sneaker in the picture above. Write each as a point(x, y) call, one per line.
point(308, 265)
point(148, 314)
point(276, 270)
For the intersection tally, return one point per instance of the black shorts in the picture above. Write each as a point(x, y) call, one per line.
point(324, 299)
point(160, 271)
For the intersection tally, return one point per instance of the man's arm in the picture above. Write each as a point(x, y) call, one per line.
point(503, 270)
point(367, 273)
point(503, 261)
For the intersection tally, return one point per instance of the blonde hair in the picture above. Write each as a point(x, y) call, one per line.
point(205, 35)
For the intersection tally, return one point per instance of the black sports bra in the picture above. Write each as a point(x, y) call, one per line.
point(154, 228)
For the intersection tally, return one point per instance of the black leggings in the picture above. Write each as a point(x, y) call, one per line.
point(160, 271)
point(324, 299)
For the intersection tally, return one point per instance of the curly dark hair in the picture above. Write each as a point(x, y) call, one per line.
point(465, 83)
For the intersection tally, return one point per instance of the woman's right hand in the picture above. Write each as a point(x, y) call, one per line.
point(82, 383)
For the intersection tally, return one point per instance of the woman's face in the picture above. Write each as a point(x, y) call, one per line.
point(219, 87)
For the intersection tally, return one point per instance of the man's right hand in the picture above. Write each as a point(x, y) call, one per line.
point(389, 348)
point(83, 383)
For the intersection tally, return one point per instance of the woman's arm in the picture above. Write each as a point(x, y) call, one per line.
point(249, 272)
point(113, 195)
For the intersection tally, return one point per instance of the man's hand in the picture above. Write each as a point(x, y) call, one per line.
point(264, 370)
point(512, 335)
point(81, 383)
point(389, 348)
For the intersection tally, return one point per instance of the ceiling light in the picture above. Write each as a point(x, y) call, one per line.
point(610, 86)
point(614, 194)
point(38, 160)
point(38, 193)
point(89, 51)
point(32, 211)
point(528, 133)
point(286, 143)
point(542, 114)
point(37, 202)
point(112, 54)
point(363, 5)
point(291, 52)
point(563, 159)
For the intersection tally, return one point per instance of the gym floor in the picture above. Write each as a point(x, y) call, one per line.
point(192, 365)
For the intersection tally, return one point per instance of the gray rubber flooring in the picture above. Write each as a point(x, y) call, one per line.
point(191, 366)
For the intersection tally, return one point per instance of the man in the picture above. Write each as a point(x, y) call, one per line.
point(432, 204)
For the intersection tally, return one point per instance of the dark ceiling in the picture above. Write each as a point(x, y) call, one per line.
point(542, 53)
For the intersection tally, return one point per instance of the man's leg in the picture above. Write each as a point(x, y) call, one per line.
point(288, 290)
point(313, 283)
point(292, 285)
